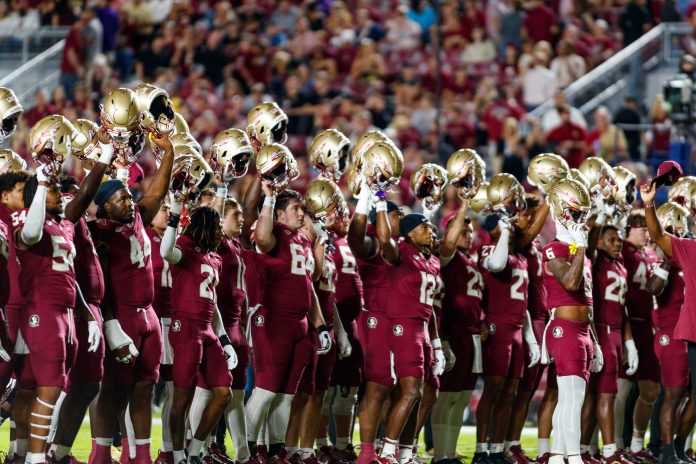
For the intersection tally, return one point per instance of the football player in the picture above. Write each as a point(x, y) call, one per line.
point(639, 261)
point(568, 279)
point(131, 326)
point(462, 328)
point(199, 341)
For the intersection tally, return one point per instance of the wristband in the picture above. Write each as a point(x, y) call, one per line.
point(381, 206)
point(269, 201)
point(224, 340)
point(107, 152)
point(661, 273)
point(173, 221)
point(363, 206)
point(325, 328)
point(221, 192)
point(437, 344)
point(122, 174)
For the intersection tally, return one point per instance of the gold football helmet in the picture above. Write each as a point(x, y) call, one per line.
point(506, 195)
point(479, 203)
point(11, 161)
point(156, 108)
point(230, 154)
point(545, 170)
point(267, 123)
point(364, 142)
point(85, 145)
point(600, 176)
point(575, 174)
point(180, 125)
point(428, 183)
point(50, 141)
point(328, 153)
point(10, 112)
point(569, 202)
point(120, 114)
point(323, 200)
point(177, 140)
point(673, 218)
point(467, 171)
point(625, 188)
point(190, 174)
point(382, 166)
point(276, 165)
point(354, 180)
point(683, 192)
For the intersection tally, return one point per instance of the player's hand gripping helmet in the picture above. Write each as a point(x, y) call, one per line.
point(506, 196)
point(382, 166)
point(625, 188)
point(177, 140)
point(328, 153)
point(324, 201)
point(267, 123)
point(569, 202)
point(428, 183)
point(11, 161)
point(545, 170)
point(673, 218)
point(467, 171)
point(480, 204)
point(683, 192)
point(10, 112)
point(275, 164)
point(156, 108)
point(50, 142)
point(230, 154)
point(85, 144)
point(600, 176)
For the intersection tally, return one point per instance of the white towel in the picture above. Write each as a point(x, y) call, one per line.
point(477, 368)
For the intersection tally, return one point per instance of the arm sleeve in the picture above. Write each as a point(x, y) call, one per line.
point(33, 227)
point(169, 251)
point(497, 260)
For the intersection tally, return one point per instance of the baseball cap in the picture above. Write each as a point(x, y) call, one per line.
point(667, 173)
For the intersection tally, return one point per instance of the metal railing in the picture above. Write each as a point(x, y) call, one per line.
point(21, 45)
point(41, 71)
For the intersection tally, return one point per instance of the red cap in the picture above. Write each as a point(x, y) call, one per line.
point(667, 173)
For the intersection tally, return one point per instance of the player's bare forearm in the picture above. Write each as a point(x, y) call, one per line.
point(319, 252)
point(527, 236)
point(593, 240)
point(316, 318)
point(88, 189)
point(452, 233)
point(432, 327)
point(390, 251)
point(627, 331)
point(151, 201)
point(250, 206)
point(568, 275)
point(657, 233)
point(360, 244)
point(263, 235)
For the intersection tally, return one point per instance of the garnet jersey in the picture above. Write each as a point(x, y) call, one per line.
point(505, 295)
point(231, 290)
point(286, 273)
point(326, 285)
point(413, 284)
point(194, 279)
point(670, 301)
point(88, 271)
point(536, 300)
point(375, 278)
point(130, 274)
point(47, 273)
point(461, 306)
point(639, 264)
point(4, 273)
point(349, 284)
point(608, 291)
point(162, 275)
point(13, 220)
point(558, 296)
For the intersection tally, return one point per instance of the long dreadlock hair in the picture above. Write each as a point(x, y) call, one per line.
point(202, 228)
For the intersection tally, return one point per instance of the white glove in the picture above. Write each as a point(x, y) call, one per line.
point(175, 206)
point(450, 358)
point(231, 357)
point(93, 336)
point(363, 197)
point(324, 339)
point(107, 153)
point(631, 356)
point(505, 224)
point(578, 232)
point(117, 338)
point(439, 366)
point(344, 347)
point(320, 231)
point(597, 362)
point(4, 355)
point(42, 173)
point(534, 354)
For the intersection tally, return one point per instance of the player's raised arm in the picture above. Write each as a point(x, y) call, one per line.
point(362, 245)
point(250, 210)
point(453, 232)
point(658, 235)
point(150, 203)
point(168, 250)
point(390, 250)
point(263, 235)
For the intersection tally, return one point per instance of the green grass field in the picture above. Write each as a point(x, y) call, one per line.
point(83, 443)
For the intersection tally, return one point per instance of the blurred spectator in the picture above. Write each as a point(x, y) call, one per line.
point(568, 66)
point(138, 18)
point(552, 117)
point(155, 55)
point(161, 8)
point(403, 33)
point(513, 150)
point(511, 26)
point(366, 28)
point(662, 129)
point(480, 50)
point(20, 22)
point(568, 139)
point(606, 140)
point(422, 13)
point(540, 23)
point(211, 54)
point(539, 83)
point(473, 17)
point(284, 17)
point(42, 107)
point(304, 40)
point(71, 68)
point(109, 19)
point(629, 115)
point(634, 21)
point(368, 64)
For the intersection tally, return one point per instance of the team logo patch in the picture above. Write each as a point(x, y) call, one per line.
point(398, 330)
point(287, 232)
point(176, 326)
point(491, 328)
point(664, 340)
point(34, 320)
point(259, 320)
point(557, 332)
point(371, 322)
